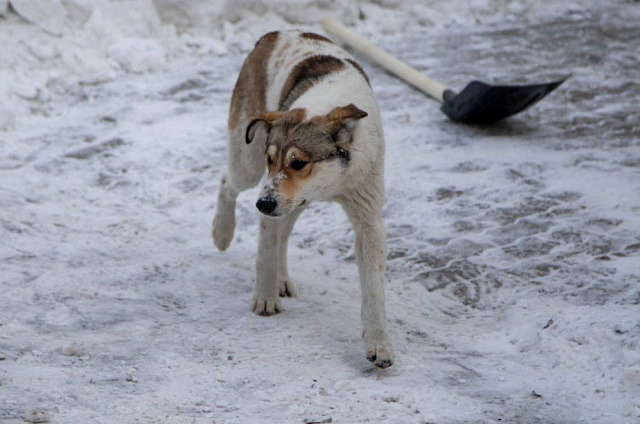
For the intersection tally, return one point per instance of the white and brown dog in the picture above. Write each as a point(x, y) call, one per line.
point(302, 109)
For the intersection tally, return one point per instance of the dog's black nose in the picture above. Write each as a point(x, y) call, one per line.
point(266, 205)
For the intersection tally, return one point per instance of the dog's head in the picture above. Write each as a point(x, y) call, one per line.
point(305, 157)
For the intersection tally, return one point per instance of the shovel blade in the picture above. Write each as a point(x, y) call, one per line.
point(481, 103)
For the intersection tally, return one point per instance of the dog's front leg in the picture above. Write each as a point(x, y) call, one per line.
point(371, 246)
point(265, 291)
point(287, 287)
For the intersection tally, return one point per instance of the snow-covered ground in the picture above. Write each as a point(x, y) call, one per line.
point(514, 250)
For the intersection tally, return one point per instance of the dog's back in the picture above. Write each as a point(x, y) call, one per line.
point(283, 67)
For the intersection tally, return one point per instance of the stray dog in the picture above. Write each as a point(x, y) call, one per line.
point(302, 109)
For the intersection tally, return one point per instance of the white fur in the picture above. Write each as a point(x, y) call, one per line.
point(359, 189)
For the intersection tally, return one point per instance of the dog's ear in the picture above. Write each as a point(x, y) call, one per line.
point(256, 124)
point(341, 121)
point(262, 124)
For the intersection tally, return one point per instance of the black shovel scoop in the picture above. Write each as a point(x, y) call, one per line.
point(477, 103)
point(480, 103)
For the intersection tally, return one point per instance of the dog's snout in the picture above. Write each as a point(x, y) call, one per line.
point(266, 205)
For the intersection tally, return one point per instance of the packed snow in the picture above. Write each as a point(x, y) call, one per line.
point(513, 290)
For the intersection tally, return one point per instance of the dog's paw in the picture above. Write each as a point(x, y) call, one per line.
point(287, 288)
point(265, 306)
point(380, 352)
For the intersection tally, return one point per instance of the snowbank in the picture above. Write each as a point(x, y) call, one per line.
point(54, 45)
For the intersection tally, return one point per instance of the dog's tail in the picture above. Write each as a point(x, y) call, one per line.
point(224, 223)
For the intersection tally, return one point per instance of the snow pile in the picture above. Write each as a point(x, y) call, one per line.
point(49, 15)
point(64, 44)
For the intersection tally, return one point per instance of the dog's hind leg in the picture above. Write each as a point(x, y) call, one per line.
point(246, 165)
point(371, 255)
point(286, 286)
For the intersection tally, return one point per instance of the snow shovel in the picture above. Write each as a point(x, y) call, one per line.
point(477, 103)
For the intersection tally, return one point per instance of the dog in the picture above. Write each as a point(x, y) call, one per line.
point(302, 111)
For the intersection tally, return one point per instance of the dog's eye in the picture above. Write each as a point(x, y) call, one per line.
point(298, 164)
point(269, 160)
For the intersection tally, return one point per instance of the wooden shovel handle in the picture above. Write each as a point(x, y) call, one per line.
point(384, 59)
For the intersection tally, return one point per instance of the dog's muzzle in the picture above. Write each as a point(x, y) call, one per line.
point(266, 205)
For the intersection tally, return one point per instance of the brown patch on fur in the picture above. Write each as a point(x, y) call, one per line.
point(346, 112)
point(285, 119)
point(284, 48)
point(249, 93)
point(288, 188)
point(292, 179)
point(359, 68)
point(305, 74)
point(268, 36)
point(292, 117)
point(289, 185)
point(314, 36)
point(334, 120)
